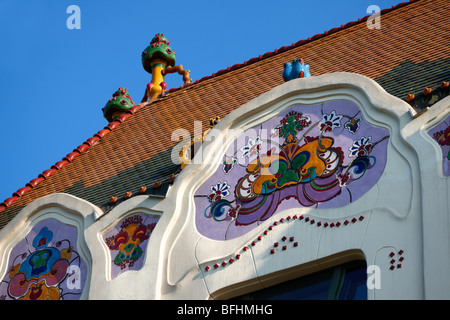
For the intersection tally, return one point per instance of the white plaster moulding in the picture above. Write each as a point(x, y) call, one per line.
point(378, 107)
point(436, 199)
point(428, 120)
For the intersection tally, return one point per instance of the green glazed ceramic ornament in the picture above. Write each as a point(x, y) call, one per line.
point(119, 103)
point(158, 59)
point(158, 49)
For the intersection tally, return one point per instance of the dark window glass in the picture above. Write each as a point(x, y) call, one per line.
point(344, 282)
point(354, 286)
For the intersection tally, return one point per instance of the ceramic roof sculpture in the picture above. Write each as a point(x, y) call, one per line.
point(296, 69)
point(119, 103)
point(159, 59)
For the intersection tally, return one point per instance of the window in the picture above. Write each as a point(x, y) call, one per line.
point(343, 282)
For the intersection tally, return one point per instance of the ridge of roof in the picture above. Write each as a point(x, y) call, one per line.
point(112, 125)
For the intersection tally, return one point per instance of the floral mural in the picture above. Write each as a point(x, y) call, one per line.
point(45, 265)
point(441, 134)
point(127, 242)
point(317, 156)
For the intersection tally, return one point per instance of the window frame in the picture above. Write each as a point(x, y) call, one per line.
point(341, 262)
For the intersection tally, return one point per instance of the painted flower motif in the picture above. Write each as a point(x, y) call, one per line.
point(219, 191)
point(292, 123)
point(233, 212)
point(304, 121)
point(330, 121)
point(442, 137)
point(343, 178)
point(41, 273)
point(353, 125)
point(361, 147)
point(252, 147)
point(228, 164)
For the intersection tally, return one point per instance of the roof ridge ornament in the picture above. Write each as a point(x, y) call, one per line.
point(119, 103)
point(159, 59)
point(430, 96)
point(295, 69)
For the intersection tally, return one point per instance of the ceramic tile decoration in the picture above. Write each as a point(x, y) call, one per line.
point(318, 156)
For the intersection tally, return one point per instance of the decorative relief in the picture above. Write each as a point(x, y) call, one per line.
point(127, 242)
point(321, 156)
point(45, 265)
point(288, 242)
point(441, 134)
point(396, 259)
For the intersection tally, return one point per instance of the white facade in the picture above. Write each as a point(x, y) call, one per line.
point(400, 225)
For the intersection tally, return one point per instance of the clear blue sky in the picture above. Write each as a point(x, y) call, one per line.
point(55, 80)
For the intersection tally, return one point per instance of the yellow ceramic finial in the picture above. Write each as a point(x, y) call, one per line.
point(159, 59)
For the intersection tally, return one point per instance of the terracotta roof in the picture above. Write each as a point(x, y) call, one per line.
point(408, 54)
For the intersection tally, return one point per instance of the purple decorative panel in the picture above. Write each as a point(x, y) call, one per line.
point(127, 242)
point(45, 265)
point(441, 133)
point(320, 156)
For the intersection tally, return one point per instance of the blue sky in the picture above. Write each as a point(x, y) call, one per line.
point(56, 80)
